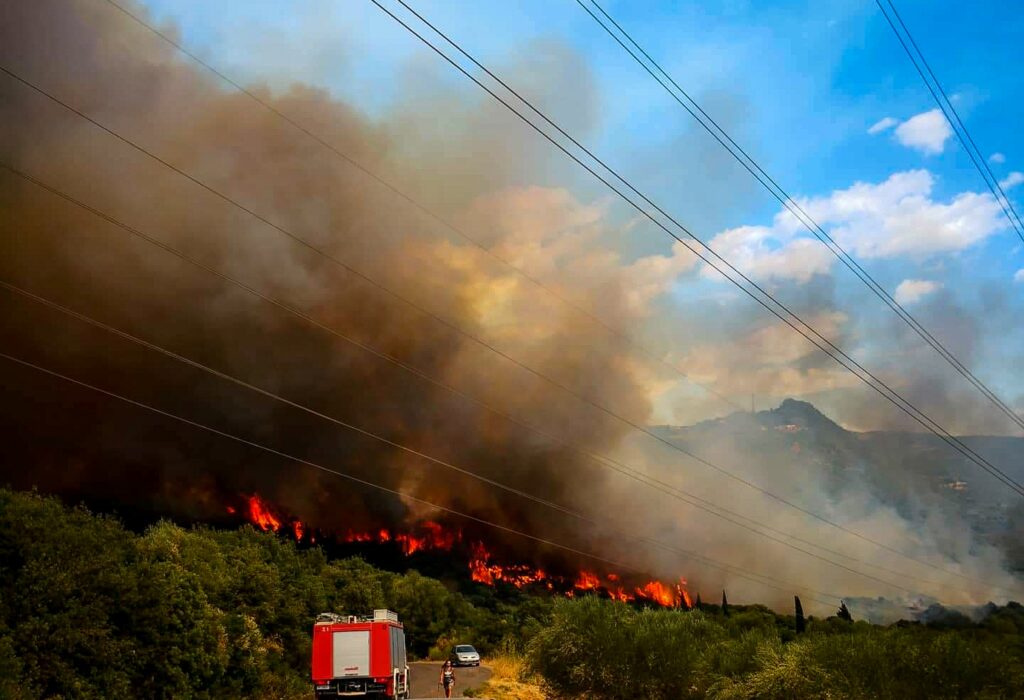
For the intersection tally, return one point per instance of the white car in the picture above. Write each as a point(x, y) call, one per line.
point(465, 655)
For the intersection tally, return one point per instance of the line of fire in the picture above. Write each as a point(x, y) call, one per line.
point(432, 537)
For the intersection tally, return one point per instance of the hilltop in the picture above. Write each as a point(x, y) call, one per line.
point(908, 471)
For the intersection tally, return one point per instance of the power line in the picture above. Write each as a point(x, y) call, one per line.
point(391, 443)
point(982, 166)
point(387, 185)
point(364, 170)
point(754, 577)
point(701, 504)
point(837, 353)
point(794, 207)
point(456, 328)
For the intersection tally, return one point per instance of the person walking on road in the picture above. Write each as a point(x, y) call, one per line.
point(447, 678)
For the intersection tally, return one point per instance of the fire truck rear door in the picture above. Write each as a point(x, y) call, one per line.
point(352, 653)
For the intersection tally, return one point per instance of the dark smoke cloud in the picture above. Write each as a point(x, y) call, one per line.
point(440, 146)
point(97, 60)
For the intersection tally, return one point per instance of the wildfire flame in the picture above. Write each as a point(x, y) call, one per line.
point(432, 536)
point(261, 515)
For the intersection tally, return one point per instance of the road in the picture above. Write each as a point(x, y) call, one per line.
point(425, 675)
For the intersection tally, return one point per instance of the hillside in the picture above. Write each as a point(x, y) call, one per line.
point(912, 472)
point(90, 610)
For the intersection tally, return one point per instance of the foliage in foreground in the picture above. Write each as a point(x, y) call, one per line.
point(89, 609)
point(602, 650)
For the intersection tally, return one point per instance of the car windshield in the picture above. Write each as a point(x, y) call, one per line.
point(464, 649)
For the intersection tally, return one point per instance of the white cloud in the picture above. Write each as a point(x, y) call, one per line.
point(883, 124)
point(911, 291)
point(757, 251)
point(1011, 180)
point(997, 158)
point(899, 217)
point(926, 132)
point(894, 218)
point(1019, 277)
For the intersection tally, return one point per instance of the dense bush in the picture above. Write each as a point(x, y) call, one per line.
point(599, 649)
point(89, 609)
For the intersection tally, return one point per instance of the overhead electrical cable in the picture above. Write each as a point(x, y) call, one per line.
point(391, 188)
point(454, 327)
point(753, 577)
point(776, 308)
point(602, 460)
point(947, 107)
point(791, 204)
point(582, 517)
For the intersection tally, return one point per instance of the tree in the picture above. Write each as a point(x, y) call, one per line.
point(725, 604)
point(698, 605)
point(801, 624)
point(844, 612)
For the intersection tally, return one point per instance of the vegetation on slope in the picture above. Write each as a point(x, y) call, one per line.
point(89, 609)
point(597, 649)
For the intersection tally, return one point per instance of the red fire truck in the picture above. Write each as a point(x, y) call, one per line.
point(359, 655)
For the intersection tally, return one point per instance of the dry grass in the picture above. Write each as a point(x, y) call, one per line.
point(509, 681)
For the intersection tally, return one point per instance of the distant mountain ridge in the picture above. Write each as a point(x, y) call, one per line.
point(906, 470)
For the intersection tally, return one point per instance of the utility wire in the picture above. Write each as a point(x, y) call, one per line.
point(455, 327)
point(792, 205)
point(837, 353)
point(399, 446)
point(979, 161)
point(390, 187)
point(602, 460)
point(756, 578)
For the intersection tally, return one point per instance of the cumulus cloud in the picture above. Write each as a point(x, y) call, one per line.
point(1011, 180)
point(882, 125)
point(1019, 277)
point(997, 158)
point(893, 218)
point(926, 132)
point(759, 252)
point(899, 217)
point(911, 291)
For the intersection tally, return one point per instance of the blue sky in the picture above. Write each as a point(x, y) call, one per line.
point(799, 84)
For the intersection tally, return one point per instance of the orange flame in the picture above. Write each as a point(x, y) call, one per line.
point(261, 515)
point(587, 581)
point(432, 536)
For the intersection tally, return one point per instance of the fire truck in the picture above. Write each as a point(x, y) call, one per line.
point(360, 656)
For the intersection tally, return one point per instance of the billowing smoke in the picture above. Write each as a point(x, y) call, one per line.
point(97, 60)
point(476, 172)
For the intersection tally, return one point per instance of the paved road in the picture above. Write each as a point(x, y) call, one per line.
point(425, 675)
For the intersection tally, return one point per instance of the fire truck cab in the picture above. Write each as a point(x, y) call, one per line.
point(359, 656)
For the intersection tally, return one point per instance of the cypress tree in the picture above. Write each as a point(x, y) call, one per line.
point(844, 612)
point(725, 604)
point(801, 624)
point(699, 605)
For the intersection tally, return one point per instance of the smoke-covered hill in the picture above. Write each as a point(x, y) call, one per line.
point(915, 473)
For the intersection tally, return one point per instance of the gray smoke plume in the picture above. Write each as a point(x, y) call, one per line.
point(75, 442)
